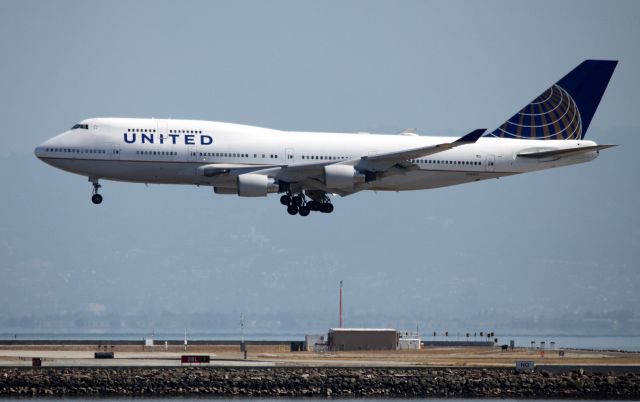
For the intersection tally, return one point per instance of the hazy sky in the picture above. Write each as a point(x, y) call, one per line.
point(548, 242)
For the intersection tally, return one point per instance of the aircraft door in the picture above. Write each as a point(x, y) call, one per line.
point(490, 162)
point(115, 152)
point(192, 154)
point(290, 156)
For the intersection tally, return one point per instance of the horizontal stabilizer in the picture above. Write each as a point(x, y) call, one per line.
point(563, 152)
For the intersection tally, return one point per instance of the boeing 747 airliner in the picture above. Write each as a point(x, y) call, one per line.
point(306, 167)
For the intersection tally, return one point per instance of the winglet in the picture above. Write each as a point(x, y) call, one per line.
point(471, 137)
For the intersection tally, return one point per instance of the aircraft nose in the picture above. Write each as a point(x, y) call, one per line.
point(39, 151)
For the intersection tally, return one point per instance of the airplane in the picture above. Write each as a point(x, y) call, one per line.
point(307, 167)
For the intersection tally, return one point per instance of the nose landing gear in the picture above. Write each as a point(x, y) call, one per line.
point(95, 198)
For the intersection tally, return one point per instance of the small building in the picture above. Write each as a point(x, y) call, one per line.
point(409, 341)
point(409, 344)
point(297, 346)
point(310, 341)
point(363, 339)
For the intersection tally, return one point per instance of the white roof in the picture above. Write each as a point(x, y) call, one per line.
point(362, 329)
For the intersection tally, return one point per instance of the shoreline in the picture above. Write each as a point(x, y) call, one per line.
point(318, 382)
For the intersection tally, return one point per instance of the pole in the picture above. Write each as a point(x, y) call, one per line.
point(242, 347)
point(340, 304)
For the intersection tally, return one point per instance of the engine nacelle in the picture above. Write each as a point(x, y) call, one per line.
point(255, 185)
point(341, 176)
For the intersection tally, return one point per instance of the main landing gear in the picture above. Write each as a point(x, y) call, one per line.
point(298, 204)
point(96, 198)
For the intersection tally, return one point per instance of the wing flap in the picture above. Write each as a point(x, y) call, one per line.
point(215, 169)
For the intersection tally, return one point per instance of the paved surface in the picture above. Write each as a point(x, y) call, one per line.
point(69, 358)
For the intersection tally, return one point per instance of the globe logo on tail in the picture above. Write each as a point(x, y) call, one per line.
point(553, 115)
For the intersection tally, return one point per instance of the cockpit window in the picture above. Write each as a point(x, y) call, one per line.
point(82, 126)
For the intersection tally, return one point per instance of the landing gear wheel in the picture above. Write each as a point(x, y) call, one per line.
point(292, 209)
point(95, 198)
point(326, 208)
point(304, 210)
point(285, 199)
point(297, 201)
point(314, 205)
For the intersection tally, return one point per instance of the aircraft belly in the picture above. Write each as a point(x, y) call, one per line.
point(135, 171)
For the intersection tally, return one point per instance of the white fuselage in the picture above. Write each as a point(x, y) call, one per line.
point(170, 151)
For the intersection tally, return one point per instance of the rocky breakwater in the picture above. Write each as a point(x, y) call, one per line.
point(327, 382)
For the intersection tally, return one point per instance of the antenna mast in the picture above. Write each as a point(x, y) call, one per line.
point(340, 304)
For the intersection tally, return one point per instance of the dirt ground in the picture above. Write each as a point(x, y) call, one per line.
point(66, 355)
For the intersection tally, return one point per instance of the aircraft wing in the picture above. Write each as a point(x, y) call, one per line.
point(562, 152)
point(311, 175)
point(373, 163)
point(382, 162)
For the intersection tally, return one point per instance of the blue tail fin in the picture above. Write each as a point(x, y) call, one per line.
point(564, 111)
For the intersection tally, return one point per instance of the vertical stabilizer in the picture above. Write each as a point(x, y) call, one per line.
point(564, 111)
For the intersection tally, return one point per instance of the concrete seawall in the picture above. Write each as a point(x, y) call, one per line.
point(318, 382)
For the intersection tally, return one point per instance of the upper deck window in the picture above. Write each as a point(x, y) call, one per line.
point(81, 126)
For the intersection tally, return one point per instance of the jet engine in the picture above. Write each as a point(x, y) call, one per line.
point(341, 176)
point(255, 185)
